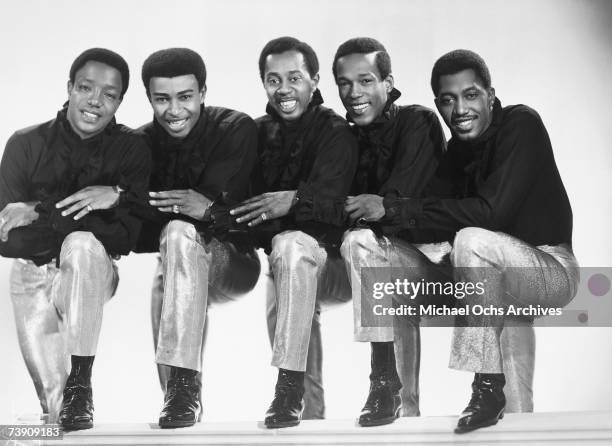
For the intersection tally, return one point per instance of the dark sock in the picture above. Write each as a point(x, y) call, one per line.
point(181, 371)
point(81, 367)
point(383, 359)
point(291, 377)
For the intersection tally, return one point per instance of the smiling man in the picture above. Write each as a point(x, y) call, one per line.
point(399, 151)
point(307, 159)
point(65, 186)
point(512, 222)
point(202, 161)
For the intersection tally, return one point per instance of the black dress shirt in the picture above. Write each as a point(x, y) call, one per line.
point(317, 156)
point(48, 162)
point(506, 180)
point(215, 160)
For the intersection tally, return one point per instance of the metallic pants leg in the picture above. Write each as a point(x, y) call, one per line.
point(304, 273)
point(40, 332)
point(86, 281)
point(41, 299)
point(516, 273)
point(314, 397)
point(192, 272)
point(361, 248)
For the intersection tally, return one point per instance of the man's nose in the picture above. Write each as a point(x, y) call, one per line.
point(175, 107)
point(460, 107)
point(95, 98)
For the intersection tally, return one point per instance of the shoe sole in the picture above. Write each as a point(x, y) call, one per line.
point(173, 424)
point(379, 422)
point(466, 429)
point(282, 424)
point(77, 426)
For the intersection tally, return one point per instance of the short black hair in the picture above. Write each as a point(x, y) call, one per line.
point(286, 43)
point(456, 61)
point(365, 45)
point(173, 62)
point(104, 56)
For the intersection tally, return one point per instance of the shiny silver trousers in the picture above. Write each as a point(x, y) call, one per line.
point(304, 273)
point(191, 273)
point(58, 312)
point(515, 273)
point(361, 248)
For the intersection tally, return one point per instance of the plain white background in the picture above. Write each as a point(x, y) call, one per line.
point(553, 55)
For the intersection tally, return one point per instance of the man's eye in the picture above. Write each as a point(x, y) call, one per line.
point(84, 87)
point(185, 97)
point(161, 100)
point(366, 81)
point(295, 78)
point(272, 81)
point(446, 101)
point(471, 96)
point(110, 96)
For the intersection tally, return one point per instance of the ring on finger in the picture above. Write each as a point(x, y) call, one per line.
point(89, 208)
point(264, 216)
point(176, 208)
point(2, 220)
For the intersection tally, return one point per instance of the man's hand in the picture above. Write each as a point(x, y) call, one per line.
point(89, 199)
point(15, 215)
point(367, 206)
point(264, 207)
point(187, 202)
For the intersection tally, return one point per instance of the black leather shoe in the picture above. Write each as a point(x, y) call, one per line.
point(182, 401)
point(288, 404)
point(487, 404)
point(77, 407)
point(384, 401)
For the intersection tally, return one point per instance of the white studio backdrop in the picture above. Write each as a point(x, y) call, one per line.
point(553, 55)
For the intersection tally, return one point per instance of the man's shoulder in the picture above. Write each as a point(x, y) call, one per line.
point(330, 117)
point(414, 113)
point(519, 112)
point(33, 132)
point(225, 117)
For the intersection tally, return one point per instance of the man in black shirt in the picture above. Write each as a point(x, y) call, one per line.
point(202, 161)
point(65, 186)
point(399, 151)
point(511, 216)
point(307, 161)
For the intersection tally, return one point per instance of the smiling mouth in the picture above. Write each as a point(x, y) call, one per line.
point(89, 116)
point(177, 124)
point(360, 109)
point(288, 105)
point(464, 124)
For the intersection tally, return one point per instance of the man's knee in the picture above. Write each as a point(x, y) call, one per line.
point(176, 231)
point(82, 243)
point(473, 245)
point(358, 239)
point(294, 247)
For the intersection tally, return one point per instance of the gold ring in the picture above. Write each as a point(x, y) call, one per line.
point(89, 208)
point(176, 208)
point(263, 216)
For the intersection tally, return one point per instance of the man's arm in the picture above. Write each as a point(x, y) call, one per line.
point(520, 150)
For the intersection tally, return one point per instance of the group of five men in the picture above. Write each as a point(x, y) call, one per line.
point(206, 186)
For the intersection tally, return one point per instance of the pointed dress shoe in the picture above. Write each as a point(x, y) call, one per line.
point(384, 401)
point(486, 407)
point(77, 407)
point(182, 401)
point(288, 404)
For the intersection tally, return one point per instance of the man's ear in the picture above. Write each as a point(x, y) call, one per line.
point(69, 87)
point(491, 94)
point(315, 81)
point(389, 82)
point(202, 94)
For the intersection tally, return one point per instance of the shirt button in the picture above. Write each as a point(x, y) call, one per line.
point(391, 212)
point(412, 222)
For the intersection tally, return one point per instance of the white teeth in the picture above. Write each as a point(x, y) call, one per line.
point(177, 124)
point(90, 116)
point(464, 124)
point(288, 105)
point(359, 108)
